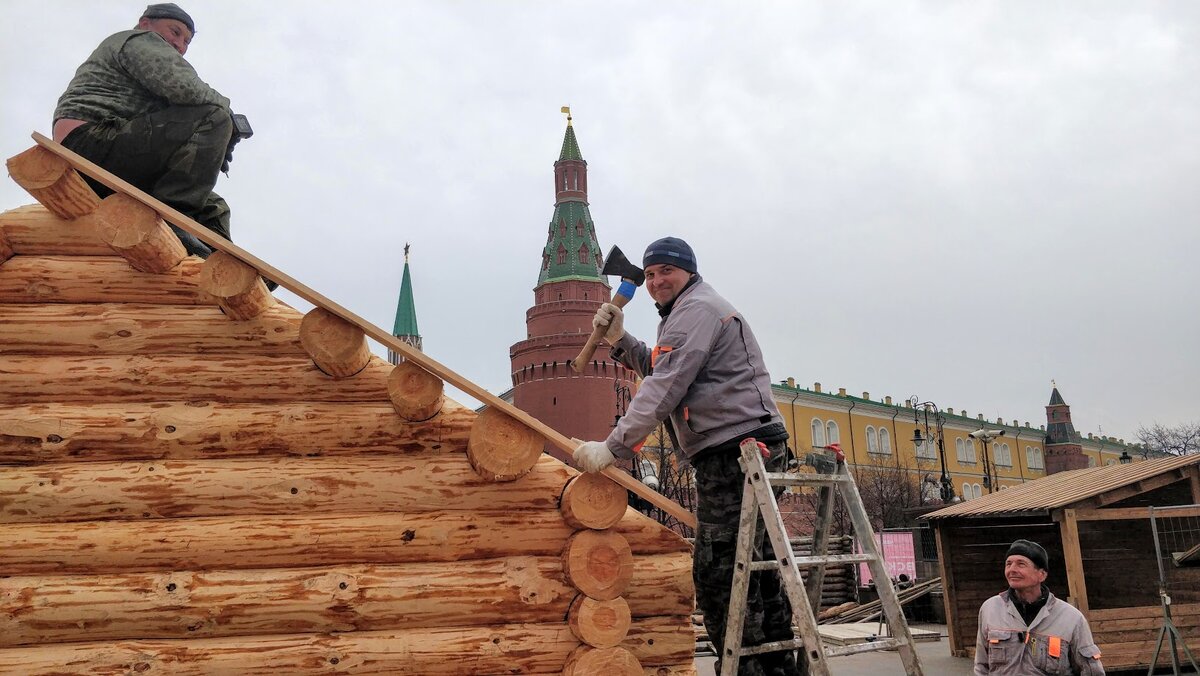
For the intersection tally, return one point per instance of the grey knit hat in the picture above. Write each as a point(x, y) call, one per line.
point(670, 251)
point(169, 10)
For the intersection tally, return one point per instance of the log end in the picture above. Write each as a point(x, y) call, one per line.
point(416, 394)
point(592, 501)
point(53, 182)
point(600, 624)
point(36, 168)
point(598, 563)
point(589, 661)
point(238, 288)
point(502, 448)
point(336, 346)
point(138, 234)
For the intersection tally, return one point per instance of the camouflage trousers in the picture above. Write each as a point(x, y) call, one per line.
point(719, 481)
point(174, 154)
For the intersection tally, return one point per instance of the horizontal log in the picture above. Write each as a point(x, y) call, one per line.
point(6, 250)
point(138, 235)
point(450, 651)
point(147, 378)
point(53, 182)
point(208, 604)
point(122, 328)
point(54, 432)
point(34, 231)
point(98, 279)
point(417, 481)
point(336, 346)
point(205, 543)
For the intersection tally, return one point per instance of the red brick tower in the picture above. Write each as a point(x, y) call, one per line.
point(1063, 449)
point(569, 289)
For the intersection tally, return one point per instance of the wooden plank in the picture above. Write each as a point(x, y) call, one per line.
point(240, 542)
point(855, 633)
point(946, 564)
point(98, 279)
point(34, 231)
point(147, 378)
point(1144, 486)
point(131, 431)
point(1193, 473)
point(1133, 612)
point(1131, 513)
point(1073, 559)
point(127, 328)
point(209, 604)
point(411, 482)
point(376, 333)
point(435, 651)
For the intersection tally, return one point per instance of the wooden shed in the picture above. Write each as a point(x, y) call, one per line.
point(196, 478)
point(1095, 524)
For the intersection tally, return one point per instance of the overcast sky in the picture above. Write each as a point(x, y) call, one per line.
point(961, 200)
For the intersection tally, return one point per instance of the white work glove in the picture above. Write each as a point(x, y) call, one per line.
point(614, 318)
point(593, 456)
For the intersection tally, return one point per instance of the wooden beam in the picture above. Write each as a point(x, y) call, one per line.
point(98, 279)
point(285, 541)
point(1125, 513)
point(949, 599)
point(336, 346)
point(1073, 559)
point(237, 287)
point(135, 232)
point(146, 378)
point(416, 394)
point(53, 182)
point(6, 248)
point(1144, 486)
point(374, 332)
point(207, 604)
point(34, 231)
point(122, 328)
point(1193, 473)
point(408, 482)
point(177, 430)
point(434, 651)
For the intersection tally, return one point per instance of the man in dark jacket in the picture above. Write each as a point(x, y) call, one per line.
point(137, 108)
point(706, 375)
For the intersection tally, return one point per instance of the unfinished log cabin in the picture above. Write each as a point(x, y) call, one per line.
point(1095, 523)
point(196, 478)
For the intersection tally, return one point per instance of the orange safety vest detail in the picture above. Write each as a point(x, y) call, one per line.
point(658, 350)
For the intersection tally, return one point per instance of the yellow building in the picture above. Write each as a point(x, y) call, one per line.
point(880, 433)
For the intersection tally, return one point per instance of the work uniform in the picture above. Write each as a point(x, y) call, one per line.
point(707, 375)
point(152, 121)
point(1057, 641)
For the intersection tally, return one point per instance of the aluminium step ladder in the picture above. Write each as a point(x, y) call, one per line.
point(833, 479)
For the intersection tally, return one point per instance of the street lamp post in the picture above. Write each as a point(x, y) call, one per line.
point(946, 486)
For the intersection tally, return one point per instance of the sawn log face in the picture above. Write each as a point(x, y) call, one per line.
point(98, 279)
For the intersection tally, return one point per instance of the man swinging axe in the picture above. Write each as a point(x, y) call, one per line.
point(707, 374)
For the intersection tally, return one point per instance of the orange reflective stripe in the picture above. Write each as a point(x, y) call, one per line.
point(637, 448)
point(658, 350)
point(686, 414)
point(1055, 646)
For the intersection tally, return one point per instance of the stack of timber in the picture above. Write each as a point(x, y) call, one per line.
point(853, 612)
point(196, 478)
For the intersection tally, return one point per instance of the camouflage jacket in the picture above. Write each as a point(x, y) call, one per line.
point(130, 74)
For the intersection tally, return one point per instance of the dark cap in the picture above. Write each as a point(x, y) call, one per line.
point(1030, 550)
point(670, 251)
point(169, 10)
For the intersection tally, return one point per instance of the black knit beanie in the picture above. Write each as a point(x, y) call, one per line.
point(670, 251)
point(1030, 550)
point(169, 10)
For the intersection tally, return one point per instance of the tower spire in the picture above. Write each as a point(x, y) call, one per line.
point(405, 327)
point(571, 250)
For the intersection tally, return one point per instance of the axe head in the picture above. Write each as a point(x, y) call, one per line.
point(615, 263)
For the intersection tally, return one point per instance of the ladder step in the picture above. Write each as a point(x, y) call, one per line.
point(802, 479)
point(813, 561)
point(880, 644)
point(794, 644)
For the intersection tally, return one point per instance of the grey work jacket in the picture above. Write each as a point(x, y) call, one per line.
point(1058, 641)
point(706, 374)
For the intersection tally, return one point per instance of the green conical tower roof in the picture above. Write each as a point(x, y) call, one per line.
point(406, 312)
point(571, 251)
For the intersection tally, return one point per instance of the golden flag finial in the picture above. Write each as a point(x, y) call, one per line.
point(1052, 383)
point(567, 110)
point(406, 252)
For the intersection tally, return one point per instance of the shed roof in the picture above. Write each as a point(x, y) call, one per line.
point(1063, 488)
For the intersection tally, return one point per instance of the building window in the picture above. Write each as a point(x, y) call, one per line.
point(885, 442)
point(969, 449)
point(1110, 461)
point(972, 491)
point(872, 440)
point(1091, 461)
point(583, 253)
point(831, 432)
point(579, 228)
point(562, 229)
point(1003, 455)
point(960, 450)
point(1033, 458)
point(562, 255)
point(545, 261)
point(818, 433)
point(925, 450)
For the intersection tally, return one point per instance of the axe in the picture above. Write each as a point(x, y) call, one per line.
point(631, 278)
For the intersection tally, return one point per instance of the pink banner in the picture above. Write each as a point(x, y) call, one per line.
point(898, 556)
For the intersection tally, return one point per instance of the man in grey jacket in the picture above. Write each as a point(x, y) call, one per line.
point(137, 108)
point(705, 375)
point(1026, 630)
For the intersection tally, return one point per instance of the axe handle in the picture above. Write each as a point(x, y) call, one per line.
point(589, 348)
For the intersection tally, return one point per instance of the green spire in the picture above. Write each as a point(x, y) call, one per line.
point(571, 250)
point(406, 310)
point(570, 149)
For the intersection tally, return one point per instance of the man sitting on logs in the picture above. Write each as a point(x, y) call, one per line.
point(137, 108)
point(708, 375)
